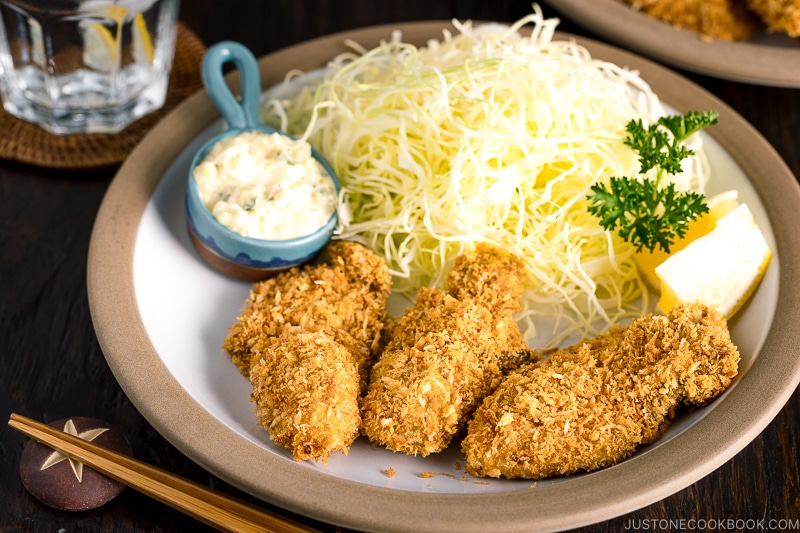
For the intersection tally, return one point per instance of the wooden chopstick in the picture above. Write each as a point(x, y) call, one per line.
point(202, 503)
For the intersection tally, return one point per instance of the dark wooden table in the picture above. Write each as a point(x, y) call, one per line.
point(51, 366)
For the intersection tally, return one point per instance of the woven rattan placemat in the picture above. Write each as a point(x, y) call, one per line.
point(27, 143)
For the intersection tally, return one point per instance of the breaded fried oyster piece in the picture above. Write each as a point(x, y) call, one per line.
point(306, 391)
point(719, 19)
point(306, 340)
point(445, 354)
point(490, 277)
point(591, 405)
point(778, 15)
point(344, 293)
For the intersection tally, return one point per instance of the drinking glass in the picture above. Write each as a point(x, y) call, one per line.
point(85, 66)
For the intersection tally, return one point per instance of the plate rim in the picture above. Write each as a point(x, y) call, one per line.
point(619, 22)
point(198, 434)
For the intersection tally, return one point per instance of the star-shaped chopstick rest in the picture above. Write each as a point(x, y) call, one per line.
point(64, 483)
point(56, 457)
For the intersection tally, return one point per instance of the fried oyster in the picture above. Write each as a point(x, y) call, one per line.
point(306, 391)
point(445, 354)
point(343, 293)
point(306, 339)
point(591, 405)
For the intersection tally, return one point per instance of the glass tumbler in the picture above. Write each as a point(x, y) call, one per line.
point(85, 66)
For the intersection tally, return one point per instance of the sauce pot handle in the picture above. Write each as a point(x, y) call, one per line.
point(238, 114)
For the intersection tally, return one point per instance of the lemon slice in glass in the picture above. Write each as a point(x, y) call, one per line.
point(102, 44)
point(142, 41)
point(37, 42)
point(100, 48)
point(721, 269)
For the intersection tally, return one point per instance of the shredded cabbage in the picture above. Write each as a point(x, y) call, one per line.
point(486, 136)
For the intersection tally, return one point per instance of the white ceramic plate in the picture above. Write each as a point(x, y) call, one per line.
point(160, 314)
point(767, 59)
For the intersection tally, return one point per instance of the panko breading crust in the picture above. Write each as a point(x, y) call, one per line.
point(591, 405)
point(493, 278)
point(344, 293)
point(306, 339)
point(445, 354)
point(778, 15)
point(306, 390)
point(721, 19)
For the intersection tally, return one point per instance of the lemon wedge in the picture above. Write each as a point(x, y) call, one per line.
point(101, 44)
point(719, 205)
point(100, 49)
point(720, 269)
point(37, 42)
point(142, 41)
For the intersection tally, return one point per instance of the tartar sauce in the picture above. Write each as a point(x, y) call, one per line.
point(266, 186)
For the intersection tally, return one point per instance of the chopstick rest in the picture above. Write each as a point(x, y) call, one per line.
point(206, 505)
point(63, 483)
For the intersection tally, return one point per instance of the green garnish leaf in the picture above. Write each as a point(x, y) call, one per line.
point(661, 144)
point(640, 210)
point(683, 126)
point(643, 214)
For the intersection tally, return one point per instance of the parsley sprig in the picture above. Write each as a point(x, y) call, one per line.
point(642, 211)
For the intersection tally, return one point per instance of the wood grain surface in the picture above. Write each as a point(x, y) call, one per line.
point(51, 365)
